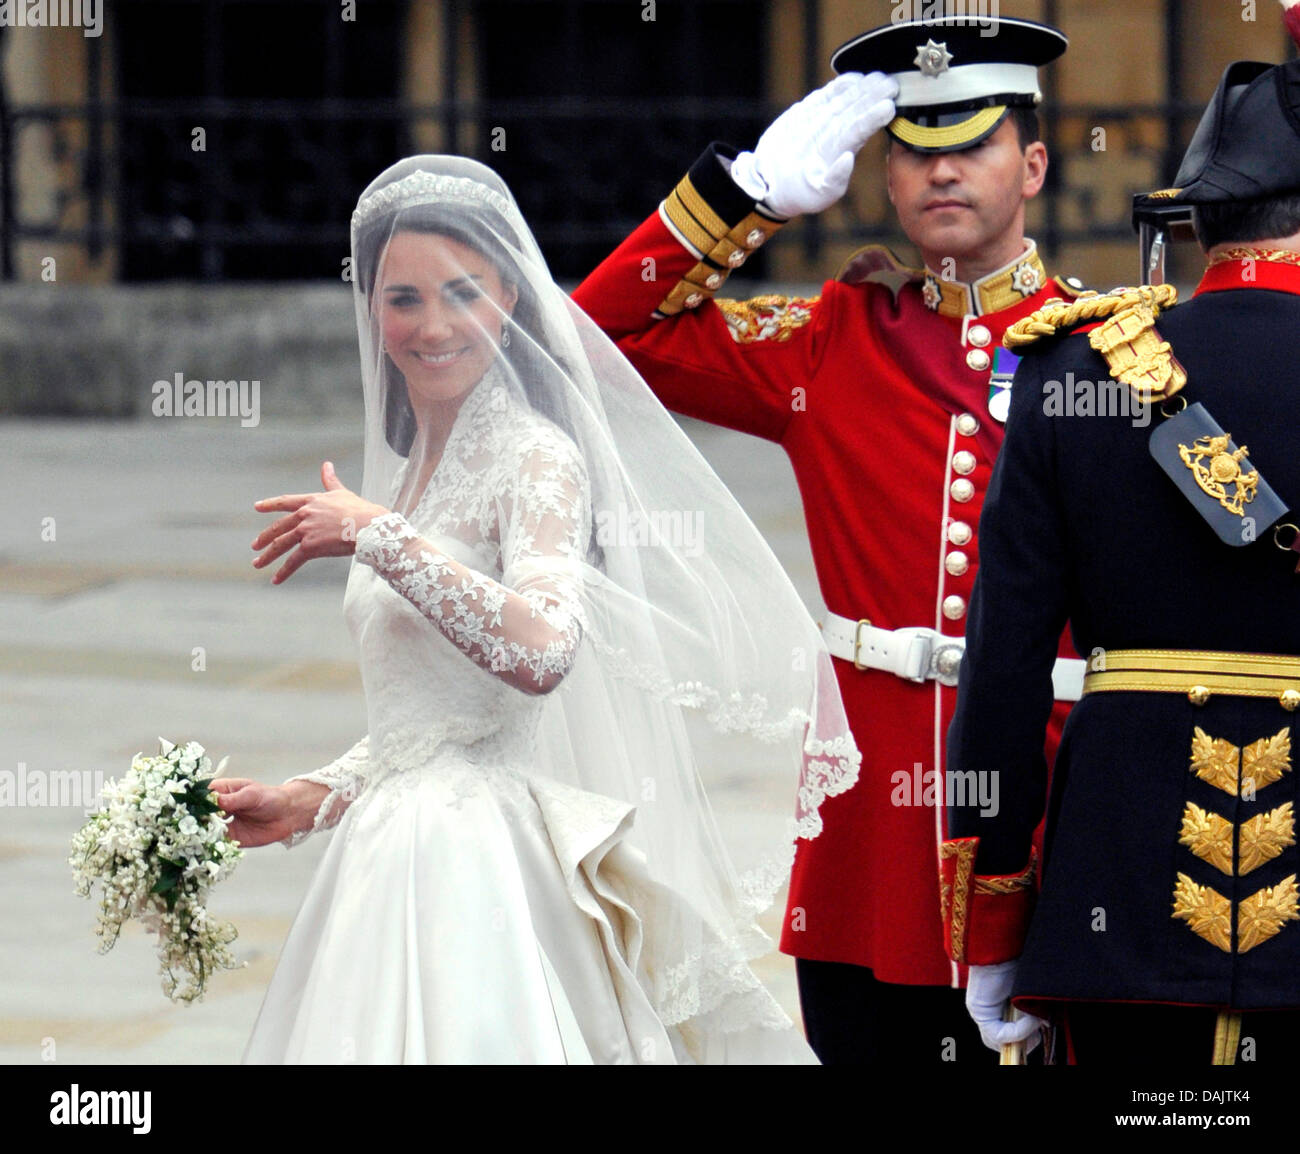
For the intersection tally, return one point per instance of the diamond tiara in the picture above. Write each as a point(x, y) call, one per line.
point(421, 187)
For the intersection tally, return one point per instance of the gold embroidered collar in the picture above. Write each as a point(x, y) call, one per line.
point(1008, 286)
point(1272, 255)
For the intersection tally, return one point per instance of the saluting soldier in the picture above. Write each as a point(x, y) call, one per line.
point(1167, 925)
point(888, 392)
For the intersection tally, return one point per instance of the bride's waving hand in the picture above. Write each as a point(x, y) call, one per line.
point(321, 524)
point(524, 628)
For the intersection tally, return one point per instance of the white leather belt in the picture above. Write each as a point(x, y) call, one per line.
point(921, 654)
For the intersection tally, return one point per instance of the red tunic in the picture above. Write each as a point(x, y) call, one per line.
point(864, 390)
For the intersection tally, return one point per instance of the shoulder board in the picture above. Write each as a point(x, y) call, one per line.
point(875, 264)
point(1121, 327)
point(1070, 286)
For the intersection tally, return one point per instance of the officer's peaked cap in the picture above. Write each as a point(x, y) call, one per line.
point(958, 76)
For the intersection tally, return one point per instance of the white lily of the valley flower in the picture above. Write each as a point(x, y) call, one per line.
point(141, 824)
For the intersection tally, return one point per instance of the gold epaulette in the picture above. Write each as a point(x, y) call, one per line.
point(1128, 339)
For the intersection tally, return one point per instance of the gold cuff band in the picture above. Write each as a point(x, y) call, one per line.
point(700, 210)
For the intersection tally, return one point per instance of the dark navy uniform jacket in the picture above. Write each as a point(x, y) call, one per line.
point(1081, 523)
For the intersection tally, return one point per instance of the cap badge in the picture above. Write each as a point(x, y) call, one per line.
point(932, 59)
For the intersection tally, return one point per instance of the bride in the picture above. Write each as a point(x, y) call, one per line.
point(564, 623)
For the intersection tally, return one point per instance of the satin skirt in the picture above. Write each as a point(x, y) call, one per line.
point(454, 921)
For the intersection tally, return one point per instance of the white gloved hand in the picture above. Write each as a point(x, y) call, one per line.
point(803, 162)
point(987, 990)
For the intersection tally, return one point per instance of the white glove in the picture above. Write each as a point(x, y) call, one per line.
point(987, 991)
point(803, 162)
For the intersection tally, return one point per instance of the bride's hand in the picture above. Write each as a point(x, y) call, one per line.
point(320, 524)
point(266, 813)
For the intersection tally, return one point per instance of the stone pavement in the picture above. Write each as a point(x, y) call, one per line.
point(129, 610)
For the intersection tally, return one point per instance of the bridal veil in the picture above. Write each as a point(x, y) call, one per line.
point(701, 692)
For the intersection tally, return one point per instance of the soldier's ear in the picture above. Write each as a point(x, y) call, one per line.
point(1035, 168)
point(889, 171)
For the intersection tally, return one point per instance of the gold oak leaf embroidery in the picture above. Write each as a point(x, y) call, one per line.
point(964, 852)
point(1215, 760)
point(1206, 911)
point(1262, 915)
point(771, 317)
point(1265, 836)
point(1208, 836)
point(1265, 760)
point(1008, 885)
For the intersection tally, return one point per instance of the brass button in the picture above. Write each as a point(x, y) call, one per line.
point(954, 607)
point(1289, 700)
point(978, 360)
point(1198, 695)
point(737, 258)
point(959, 533)
point(754, 238)
point(979, 336)
point(956, 562)
point(962, 490)
point(694, 300)
point(963, 462)
point(713, 281)
point(968, 424)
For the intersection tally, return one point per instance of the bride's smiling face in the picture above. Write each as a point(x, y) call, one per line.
point(442, 306)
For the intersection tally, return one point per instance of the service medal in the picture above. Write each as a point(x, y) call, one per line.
point(1004, 368)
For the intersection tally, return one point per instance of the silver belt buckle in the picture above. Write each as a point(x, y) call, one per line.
point(945, 662)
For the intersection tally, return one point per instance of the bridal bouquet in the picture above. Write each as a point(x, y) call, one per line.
point(156, 845)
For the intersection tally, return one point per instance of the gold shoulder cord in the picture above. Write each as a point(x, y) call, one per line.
point(1128, 339)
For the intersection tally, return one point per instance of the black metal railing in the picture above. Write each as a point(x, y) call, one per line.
point(271, 195)
point(584, 197)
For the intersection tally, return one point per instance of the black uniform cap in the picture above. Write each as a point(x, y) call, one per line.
point(1247, 146)
point(957, 75)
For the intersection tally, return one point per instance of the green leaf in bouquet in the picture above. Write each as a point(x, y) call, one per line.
point(169, 881)
point(199, 801)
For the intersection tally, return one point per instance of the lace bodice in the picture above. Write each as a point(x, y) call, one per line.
point(469, 609)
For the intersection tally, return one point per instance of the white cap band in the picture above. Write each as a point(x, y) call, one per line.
point(965, 82)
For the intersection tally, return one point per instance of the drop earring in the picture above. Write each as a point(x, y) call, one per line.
point(505, 338)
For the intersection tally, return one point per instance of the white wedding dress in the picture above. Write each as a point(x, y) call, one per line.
point(469, 908)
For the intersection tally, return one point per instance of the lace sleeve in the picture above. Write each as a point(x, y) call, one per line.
point(346, 778)
point(526, 627)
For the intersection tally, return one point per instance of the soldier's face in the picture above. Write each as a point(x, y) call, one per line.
point(967, 207)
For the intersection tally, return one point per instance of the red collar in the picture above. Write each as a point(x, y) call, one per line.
point(1246, 268)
